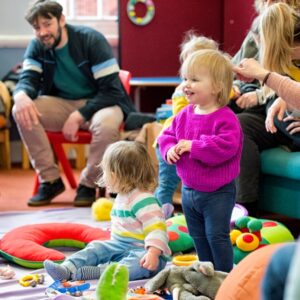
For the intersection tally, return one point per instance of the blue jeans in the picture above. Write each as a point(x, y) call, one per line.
point(208, 217)
point(99, 253)
point(274, 280)
point(167, 180)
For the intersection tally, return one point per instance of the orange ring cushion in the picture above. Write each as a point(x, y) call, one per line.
point(29, 245)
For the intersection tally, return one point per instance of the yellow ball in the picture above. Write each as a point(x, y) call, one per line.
point(234, 233)
point(101, 209)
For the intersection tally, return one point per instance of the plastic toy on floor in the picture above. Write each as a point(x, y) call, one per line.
point(184, 260)
point(72, 288)
point(250, 234)
point(32, 280)
point(139, 293)
point(199, 281)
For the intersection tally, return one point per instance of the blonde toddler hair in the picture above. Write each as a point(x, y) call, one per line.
point(220, 69)
point(193, 42)
point(131, 165)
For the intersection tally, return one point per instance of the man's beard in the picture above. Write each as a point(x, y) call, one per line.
point(57, 39)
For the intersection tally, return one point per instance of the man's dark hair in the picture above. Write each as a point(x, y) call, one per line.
point(43, 8)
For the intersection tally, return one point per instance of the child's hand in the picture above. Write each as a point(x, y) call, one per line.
point(183, 146)
point(151, 259)
point(247, 100)
point(172, 155)
point(236, 92)
point(294, 126)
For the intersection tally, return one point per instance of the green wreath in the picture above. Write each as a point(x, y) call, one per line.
point(140, 20)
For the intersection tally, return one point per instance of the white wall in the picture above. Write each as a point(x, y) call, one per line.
point(12, 21)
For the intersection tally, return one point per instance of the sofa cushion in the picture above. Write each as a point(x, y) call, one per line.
point(279, 162)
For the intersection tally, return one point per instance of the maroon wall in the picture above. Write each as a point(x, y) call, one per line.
point(153, 49)
point(238, 16)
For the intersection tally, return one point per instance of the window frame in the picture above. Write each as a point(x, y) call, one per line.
point(107, 25)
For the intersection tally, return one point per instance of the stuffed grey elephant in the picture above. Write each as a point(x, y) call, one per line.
point(197, 282)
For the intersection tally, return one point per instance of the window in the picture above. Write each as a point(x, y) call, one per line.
point(99, 14)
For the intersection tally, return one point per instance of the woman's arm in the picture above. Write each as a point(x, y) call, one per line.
point(287, 89)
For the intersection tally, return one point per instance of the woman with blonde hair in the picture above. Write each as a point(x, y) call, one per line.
point(279, 33)
point(250, 95)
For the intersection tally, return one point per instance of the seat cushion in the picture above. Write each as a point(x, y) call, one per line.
point(280, 162)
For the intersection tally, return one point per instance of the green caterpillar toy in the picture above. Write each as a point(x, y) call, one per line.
point(113, 283)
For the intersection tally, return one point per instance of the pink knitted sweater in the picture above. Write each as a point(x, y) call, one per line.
point(217, 141)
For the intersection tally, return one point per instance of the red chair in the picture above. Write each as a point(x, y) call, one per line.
point(57, 140)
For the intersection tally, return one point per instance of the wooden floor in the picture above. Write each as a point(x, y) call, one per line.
point(16, 186)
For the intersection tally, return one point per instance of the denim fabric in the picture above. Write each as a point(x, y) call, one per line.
point(275, 277)
point(167, 180)
point(103, 252)
point(208, 217)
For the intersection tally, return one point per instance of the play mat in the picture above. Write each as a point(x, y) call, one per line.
point(10, 221)
point(11, 289)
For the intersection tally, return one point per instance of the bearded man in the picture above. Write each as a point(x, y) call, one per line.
point(70, 81)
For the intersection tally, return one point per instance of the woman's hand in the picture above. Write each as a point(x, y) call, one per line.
point(277, 109)
point(250, 69)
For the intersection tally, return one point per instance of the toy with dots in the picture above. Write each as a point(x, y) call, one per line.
point(250, 234)
point(179, 238)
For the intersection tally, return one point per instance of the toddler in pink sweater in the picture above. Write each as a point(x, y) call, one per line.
point(205, 142)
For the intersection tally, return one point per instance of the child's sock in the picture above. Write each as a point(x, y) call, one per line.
point(87, 273)
point(56, 271)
